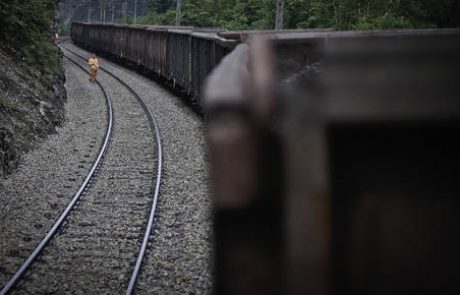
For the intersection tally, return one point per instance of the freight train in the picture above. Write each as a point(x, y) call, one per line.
point(183, 56)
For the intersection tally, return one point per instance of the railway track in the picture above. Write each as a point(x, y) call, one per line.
point(91, 178)
point(157, 185)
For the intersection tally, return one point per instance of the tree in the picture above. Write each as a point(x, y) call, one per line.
point(29, 32)
point(160, 6)
point(338, 14)
point(279, 15)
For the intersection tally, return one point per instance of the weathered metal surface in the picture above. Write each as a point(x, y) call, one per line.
point(135, 49)
point(178, 58)
point(244, 153)
point(368, 187)
point(231, 137)
point(207, 51)
point(155, 50)
point(391, 101)
point(244, 36)
point(384, 77)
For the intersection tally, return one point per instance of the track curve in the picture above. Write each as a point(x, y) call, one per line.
point(154, 123)
point(103, 150)
point(94, 168)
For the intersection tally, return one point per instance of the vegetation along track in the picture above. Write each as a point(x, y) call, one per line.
point(64, 218)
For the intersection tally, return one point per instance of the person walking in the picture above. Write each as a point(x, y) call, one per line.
point(93, 66)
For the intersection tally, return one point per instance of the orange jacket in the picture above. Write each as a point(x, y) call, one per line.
point(93, 63)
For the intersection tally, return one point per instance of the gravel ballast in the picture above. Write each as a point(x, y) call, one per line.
point(95, 252)
point(100, 242)
point(179, 260)
point(32, 198)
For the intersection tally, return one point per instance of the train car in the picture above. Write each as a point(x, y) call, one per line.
point(135, 45)
point(96, 38)
point(207, 50)
point(178, 58)
point(184, 56)
point(334, 163)
point(156, 41)
point(93, 37)
point(155, 50)
point(76, 32)
point(105, 39)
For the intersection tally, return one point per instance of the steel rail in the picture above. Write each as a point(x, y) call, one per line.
point(151, 220)
point(20, 272)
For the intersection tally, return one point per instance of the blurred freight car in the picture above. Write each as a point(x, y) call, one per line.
point(335, 163)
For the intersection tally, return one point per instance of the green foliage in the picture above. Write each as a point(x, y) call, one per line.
point(194, 14)
point(167, 18)
point(313, 14)
point(236, 14)
point(338, 14)
point(64, 30)
point(25, 25)
point(384, 22)
point(159, 6)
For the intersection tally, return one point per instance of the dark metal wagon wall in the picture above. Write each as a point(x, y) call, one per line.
point(184, 56)
point(370, 164)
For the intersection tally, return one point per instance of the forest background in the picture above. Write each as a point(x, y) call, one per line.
point(27, 25)
point(337, 14)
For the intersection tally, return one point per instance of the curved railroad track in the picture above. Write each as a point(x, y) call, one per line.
point(159, 171)
point(89, 179)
